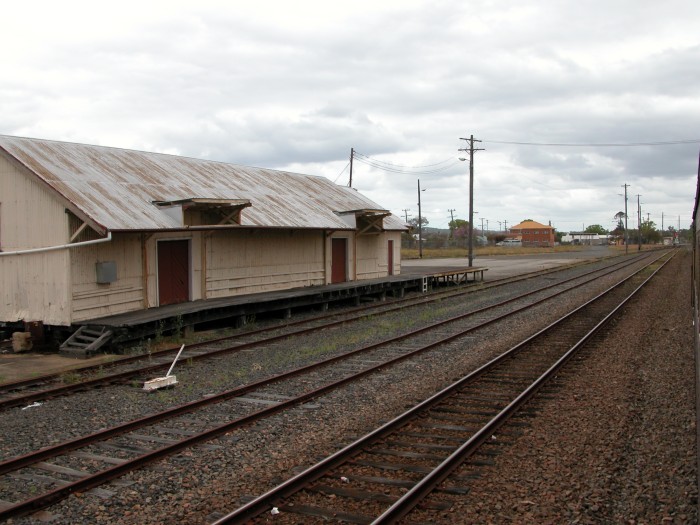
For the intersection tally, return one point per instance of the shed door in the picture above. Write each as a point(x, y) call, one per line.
point(390, 258)
point(339, 257)
point(173, 272)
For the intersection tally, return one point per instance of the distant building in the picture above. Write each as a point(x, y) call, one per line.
point(532, 233)
point(585, 238)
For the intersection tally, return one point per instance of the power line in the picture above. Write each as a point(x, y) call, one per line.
point(341, 172)
point(404, 171)
point(398, 168)
point(401, 166)
point(596, 144)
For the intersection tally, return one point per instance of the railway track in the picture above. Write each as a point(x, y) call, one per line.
point(423, 456)
point(25, 392)
point(89, 461)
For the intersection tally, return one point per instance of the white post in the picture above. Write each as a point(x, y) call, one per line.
point(175, 361)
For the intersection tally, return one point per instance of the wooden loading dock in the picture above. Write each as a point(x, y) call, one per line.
point(143, 324)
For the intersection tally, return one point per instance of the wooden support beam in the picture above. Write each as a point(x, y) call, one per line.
point(78, 231)
point(231, 218)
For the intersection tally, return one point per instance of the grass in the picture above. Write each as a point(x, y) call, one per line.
point(451, 253)
point(70, 377)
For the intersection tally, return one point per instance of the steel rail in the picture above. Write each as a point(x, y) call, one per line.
point(424, 487)
point(101, 477)
point(121, 377)
point(418, 301)
point(67, 446)
point(393, 305)
point(272, 497)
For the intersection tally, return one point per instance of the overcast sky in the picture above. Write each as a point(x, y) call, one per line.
point(295, 85)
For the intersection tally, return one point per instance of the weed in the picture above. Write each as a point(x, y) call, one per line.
point(70, 377)
point(159, 331)
point(179, 323)
point(165, 395)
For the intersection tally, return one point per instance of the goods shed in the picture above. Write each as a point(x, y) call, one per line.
point(91, 231)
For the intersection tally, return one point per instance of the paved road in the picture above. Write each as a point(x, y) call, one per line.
point(506, 265)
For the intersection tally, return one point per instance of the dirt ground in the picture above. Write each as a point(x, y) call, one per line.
point(26, 365)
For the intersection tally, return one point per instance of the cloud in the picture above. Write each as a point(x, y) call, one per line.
point(296, 85)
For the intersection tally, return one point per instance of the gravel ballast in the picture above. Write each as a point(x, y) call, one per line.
point(615, 444)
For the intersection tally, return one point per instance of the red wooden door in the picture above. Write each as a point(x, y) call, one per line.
point(173, 272)
point(390, 258)
point(339, 257)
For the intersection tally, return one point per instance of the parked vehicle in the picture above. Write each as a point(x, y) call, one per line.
point(510, 242)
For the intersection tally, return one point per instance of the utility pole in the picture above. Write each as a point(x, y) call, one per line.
point(662, 225)
point(352, 156)
point(482, 226)
point(639, 224)
point(420, 226)
point(500, 226)
point(471, 151)
point(626, 239)
point(405, 211)
point(505, 226)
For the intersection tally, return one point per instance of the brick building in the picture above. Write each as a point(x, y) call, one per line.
point(532, 233)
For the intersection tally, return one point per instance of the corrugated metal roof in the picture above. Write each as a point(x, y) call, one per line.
point(115, 188)
point(529, 225)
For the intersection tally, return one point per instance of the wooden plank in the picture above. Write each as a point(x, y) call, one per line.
point(405, 483)
point(167, 441)
point(349, 492)
point(97, 457)
point(379, 497)
point(405, 454)
point(124, 448)
point(58, 469)
point(4, 504)
point(392, 466)
point(327, 514)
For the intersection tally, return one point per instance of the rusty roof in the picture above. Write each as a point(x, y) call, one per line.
point(115, 189)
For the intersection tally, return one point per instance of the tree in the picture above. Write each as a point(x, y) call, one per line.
point(620, 215)
point(649, 232)
point(596, 228)
point(460, 228)
point(409, 239)
point(413, 222)
point(459, 224)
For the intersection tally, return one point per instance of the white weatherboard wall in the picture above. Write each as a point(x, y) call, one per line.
point(33, 287)
point(373, 255)
point(249, 261)
point(90, 299)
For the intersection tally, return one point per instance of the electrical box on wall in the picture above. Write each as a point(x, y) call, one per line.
point(106, 272)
